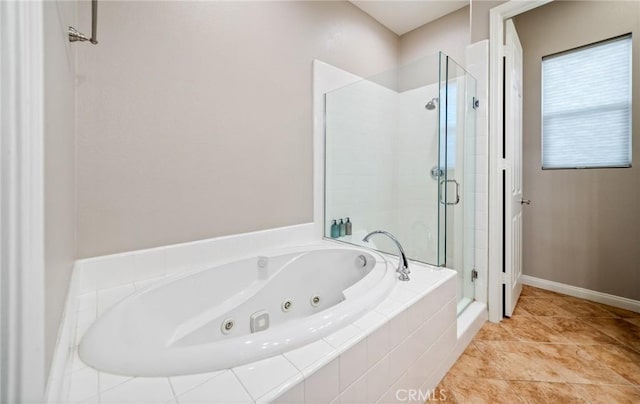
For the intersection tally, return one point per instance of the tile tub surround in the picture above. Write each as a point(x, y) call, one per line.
point(394, 346)
point(556, 349)
point(125, 268)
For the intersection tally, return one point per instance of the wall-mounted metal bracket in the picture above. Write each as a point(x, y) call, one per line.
point(436, 173)
point(77, 36)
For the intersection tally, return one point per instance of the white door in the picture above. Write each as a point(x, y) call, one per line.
point(513, 179)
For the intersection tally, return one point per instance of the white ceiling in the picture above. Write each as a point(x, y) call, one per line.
point(402, 16)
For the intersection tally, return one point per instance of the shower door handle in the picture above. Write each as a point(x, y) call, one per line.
point(457, 201)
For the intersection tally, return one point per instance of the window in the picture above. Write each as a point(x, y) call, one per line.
point(586, 106)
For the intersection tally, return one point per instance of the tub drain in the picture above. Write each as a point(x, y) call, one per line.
point(286, 305)
point(315, 301)
point(227, 325)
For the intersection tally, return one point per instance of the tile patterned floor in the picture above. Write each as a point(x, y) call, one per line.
point(554, 349)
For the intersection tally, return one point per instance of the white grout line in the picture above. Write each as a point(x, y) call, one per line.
point(253, 400)
point(99, 393)
point(173, 391)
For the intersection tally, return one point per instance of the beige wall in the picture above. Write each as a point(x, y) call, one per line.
point(60, 192)
point(480, 18)
point(449, 34)
point(583, 226)
point(195, 121)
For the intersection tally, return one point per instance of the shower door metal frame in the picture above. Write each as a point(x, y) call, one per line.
point(454, 175)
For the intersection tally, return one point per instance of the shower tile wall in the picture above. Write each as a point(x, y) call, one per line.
point(417, 197)
point(360, 166)
point(381, 146)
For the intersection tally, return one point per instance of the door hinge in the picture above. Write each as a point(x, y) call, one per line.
point(474, 275)
point(506, 279)
point(505, 50)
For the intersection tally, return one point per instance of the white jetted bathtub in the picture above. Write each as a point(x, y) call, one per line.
point(237, 313)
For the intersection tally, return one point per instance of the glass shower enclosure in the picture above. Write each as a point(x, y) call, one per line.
point(399, 156)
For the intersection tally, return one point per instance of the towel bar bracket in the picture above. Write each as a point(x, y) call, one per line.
point(77, 36)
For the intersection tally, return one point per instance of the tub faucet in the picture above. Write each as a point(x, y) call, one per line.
point(403, 264)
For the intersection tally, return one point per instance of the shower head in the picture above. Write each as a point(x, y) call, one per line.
point(431, 105)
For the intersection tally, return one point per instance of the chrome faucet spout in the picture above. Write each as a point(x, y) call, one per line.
point(403, 263)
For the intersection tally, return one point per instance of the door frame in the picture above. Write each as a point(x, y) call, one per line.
point(497, 164)
point(22, 356)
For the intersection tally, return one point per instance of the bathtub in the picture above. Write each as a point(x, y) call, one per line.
point(237, 313)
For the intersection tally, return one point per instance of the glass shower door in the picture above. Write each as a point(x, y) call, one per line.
point(381, 143)
point(400, 156)
point(457, 185)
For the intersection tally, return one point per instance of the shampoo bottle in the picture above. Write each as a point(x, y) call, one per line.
point(349, 227)
point(343, 229)
point(335, 230)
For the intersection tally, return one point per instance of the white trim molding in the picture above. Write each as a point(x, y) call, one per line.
point(497, 16)
point(588, 294)
point(22, 362)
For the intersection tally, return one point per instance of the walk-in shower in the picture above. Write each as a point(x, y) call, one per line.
point(399, 153)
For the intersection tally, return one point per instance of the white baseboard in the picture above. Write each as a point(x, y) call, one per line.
point(599, 297)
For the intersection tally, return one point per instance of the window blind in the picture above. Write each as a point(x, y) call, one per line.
point(586, 106)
